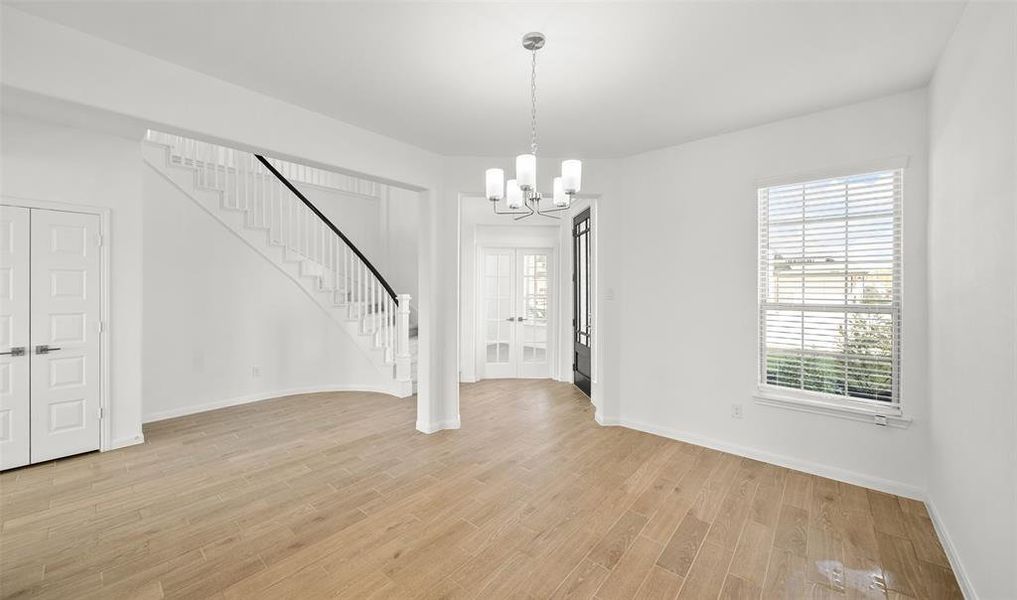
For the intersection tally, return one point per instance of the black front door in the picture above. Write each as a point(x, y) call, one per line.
point(582, 301)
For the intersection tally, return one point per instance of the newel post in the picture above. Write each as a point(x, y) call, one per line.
point(402, 355)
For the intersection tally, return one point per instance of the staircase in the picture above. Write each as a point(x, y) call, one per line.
point(256, 199)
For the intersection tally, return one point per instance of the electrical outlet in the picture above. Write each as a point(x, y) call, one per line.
point(255, 371)
point(736, 411)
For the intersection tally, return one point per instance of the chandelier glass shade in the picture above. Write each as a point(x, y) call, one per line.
point(520, 194)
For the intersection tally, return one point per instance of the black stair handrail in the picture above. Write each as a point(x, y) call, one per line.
point(331, 226)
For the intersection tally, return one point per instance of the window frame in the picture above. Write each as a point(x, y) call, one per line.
point(842, 406)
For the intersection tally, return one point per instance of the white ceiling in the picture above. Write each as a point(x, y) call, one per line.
point(614, 79)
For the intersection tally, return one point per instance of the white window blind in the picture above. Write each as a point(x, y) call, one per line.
point(830, 287)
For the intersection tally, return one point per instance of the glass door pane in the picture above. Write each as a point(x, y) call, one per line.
point(536, 284)
point(498, 309)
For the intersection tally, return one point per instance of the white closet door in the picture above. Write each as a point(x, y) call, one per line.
point(15, 441)
point(65, 334)
point(499, 306)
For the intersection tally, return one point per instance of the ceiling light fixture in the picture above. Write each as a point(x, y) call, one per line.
point(521, 192)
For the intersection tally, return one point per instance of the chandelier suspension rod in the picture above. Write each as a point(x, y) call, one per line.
point(533, 103)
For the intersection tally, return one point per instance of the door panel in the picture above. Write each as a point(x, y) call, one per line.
point(582, 319)
point(499, 313)
point(15, 440)
point(534, 277)
point(65, 318)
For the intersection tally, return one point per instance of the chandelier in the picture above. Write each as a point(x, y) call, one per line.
point(520, 194)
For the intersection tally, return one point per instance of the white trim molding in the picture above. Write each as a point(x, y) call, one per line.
point(259, 396)
point(125, 442)
point(862, 412)
point(951, 552)
point(436, 426)
point(880, 164)
point(813, 468)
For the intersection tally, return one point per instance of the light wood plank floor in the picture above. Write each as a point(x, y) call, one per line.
point(335, 495)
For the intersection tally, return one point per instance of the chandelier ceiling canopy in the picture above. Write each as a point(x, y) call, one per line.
point(520, 194)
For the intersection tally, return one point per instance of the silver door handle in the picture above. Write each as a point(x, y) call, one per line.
point(511, 319)
point(44, 349)
point(15, 351)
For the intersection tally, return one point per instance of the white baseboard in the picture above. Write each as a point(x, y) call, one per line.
point(125, 442)
point(238, 400)
point(852, 477)
point(435, 426)
point(951, 552)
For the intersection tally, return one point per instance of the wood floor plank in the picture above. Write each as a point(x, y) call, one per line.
point(753, 553)
point(886, 513)
point(792, 530)
point(337, 496)
point(660, 584)
point(582, 582)
point(923, 537)
point(736, 588)
point(708, 572)
point(901, 569)
point(617, 540)
point(681, 549)
point(628, 575)
point(785, 576)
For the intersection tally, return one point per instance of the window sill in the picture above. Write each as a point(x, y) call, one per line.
point(890, 416)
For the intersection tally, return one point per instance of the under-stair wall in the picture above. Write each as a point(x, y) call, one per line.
point(222, 325)
point(258, 324)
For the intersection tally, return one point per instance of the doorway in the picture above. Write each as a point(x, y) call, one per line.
point(516, 302)
point(50, 307)
point(582, 296)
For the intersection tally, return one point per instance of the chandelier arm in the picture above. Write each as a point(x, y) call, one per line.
point(544, 213)
point(494, 205)
point(529, 208)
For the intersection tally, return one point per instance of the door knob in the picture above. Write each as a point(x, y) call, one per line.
point(15, 351)
point(511, 319)
point(44, 349)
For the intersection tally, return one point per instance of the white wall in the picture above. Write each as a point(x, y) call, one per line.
point(687, 312)
point(215, 310)
point(400, 239)
point(43, 161)
point(357, 216)
point(973, 299)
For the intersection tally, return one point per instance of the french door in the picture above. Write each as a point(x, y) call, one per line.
point(49, 334)
point(516, 297)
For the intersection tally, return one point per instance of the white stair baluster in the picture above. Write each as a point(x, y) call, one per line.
point(347, 271)
point(403, 358)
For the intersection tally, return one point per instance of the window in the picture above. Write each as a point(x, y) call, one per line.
point(830, 289)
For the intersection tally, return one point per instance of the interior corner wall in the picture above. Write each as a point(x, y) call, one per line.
point(973, 299)
point(44, 161)
point(685, 235)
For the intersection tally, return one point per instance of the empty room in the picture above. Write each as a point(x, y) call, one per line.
point(603, 300)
